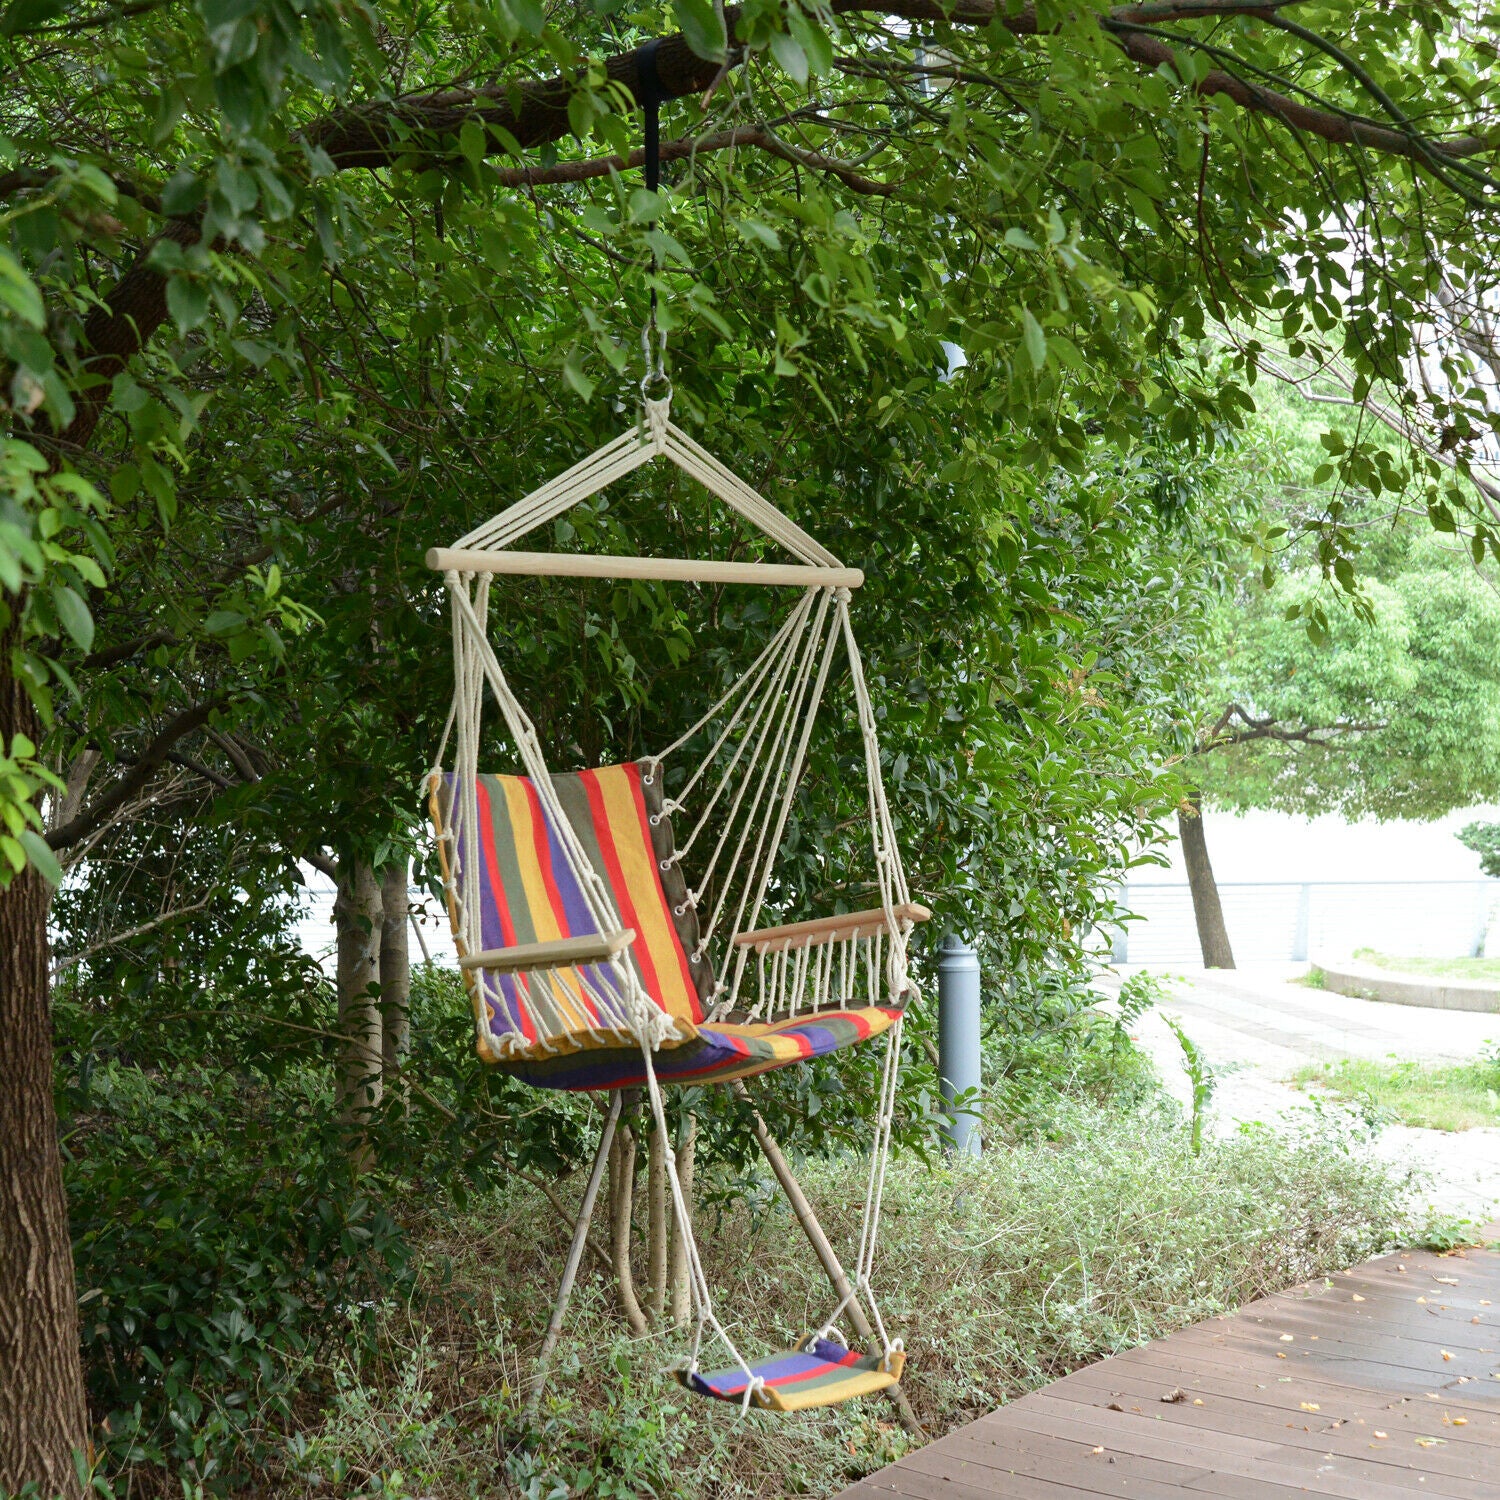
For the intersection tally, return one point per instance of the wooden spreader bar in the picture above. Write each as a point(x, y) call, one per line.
point(821, 930)
point(561, 953)
point(665, 569)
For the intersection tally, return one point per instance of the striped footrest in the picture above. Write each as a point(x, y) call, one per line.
point(817, 1372)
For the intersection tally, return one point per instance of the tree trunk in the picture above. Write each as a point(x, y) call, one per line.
point(677, 1274)
point(658, 1219)
point(42, 1415)
point(395, 969)
point(1213, 935)
point(357, 918)
point(621, 1207)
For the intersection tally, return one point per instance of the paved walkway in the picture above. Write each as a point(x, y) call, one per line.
point(1257, 1027)
point(1381, 1384)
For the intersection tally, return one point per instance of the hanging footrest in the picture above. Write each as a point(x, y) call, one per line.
point(815, 1372)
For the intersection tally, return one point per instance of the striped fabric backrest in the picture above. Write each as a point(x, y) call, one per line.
point(529, 895)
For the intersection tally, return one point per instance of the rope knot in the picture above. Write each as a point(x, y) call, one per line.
point(658, 414)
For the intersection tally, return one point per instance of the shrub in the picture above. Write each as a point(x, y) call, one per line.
point(221, 1247)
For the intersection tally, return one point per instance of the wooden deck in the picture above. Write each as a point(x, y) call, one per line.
point(1381, 1386)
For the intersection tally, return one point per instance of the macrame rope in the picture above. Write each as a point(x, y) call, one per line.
point(762, 727)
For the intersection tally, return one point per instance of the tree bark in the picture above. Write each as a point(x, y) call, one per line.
point(1213, 935)
point(43, 1420)
point(621, 1210)
point(677, 1273)
point(658, 1221)
point(357, 918)
point(395, 968)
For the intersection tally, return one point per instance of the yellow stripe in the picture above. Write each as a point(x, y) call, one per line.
point(859, 1383)
point(560, 1015)
point(654, 928)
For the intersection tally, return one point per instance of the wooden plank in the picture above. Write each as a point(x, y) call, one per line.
point(1218, 1452)
point(1292, 1389)
point(1335, 1426)
point(1144, 1386)
point(663, 569)
point(1106, 1464)
point(820, 930)
point(560, 953)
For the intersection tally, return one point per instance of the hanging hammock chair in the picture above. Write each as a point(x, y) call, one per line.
point(603, 951)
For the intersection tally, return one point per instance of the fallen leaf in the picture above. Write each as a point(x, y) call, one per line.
point(1098, 1450)
point(1422, 1300)
point(1175, 1394)
point(1460, 1421)
point(1427, 1442)
point(1356, 1298)
point(1114, 1406)
point(1446, 1280)
point(1280, 1355)
point(1380, 1434)
point(1446, 1355)
point(1286, 1338)
point(1197, 1401)
point(1475, 1318)
point(1311, 1406)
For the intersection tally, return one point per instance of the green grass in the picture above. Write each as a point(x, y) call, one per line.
point(1431, 1096)
point(1435, 968)
point(1001, 1273)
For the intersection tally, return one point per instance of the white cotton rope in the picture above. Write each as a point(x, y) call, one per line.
point(766, 718)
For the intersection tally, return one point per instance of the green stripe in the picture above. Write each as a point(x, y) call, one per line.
point(506, 861)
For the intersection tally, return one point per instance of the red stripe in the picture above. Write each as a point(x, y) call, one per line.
point(497, 892)
point(543, 844)
point(487, 844)
point(589, 780)
point(633, 778)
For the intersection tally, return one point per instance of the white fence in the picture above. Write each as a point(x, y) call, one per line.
point(1291, 921)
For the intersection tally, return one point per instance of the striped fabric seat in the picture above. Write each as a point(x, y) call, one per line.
point(528, 895)
point(817, 1372)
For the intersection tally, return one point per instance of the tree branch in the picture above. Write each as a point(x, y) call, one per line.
point(1237, 726)
point(135, 778)
point(421, 129)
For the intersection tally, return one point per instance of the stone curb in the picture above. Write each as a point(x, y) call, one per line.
point(1366, 983)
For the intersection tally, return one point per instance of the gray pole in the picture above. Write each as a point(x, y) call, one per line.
point(958, 1037)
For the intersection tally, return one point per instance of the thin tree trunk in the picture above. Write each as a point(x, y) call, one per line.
point(42, 1415)
point(621, 1207)
point(357, 918)
point(395, 969)
point(658, 1220)
point(677, 1274)
point(1213, 935)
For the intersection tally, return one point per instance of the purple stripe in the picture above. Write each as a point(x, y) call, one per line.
point(773, 1372)
point(577, 920)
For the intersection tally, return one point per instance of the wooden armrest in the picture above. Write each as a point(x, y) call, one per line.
point(561, 953)
point(820, 930)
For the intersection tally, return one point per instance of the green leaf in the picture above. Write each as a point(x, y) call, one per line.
point(41, 855)
point(224, 622)
point(1036, 339)
point(73, 614)
point(27, 15)
point(187, 301)
point(472, 142)
point(18, 292)
point(787, 51)
point(703, 28)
